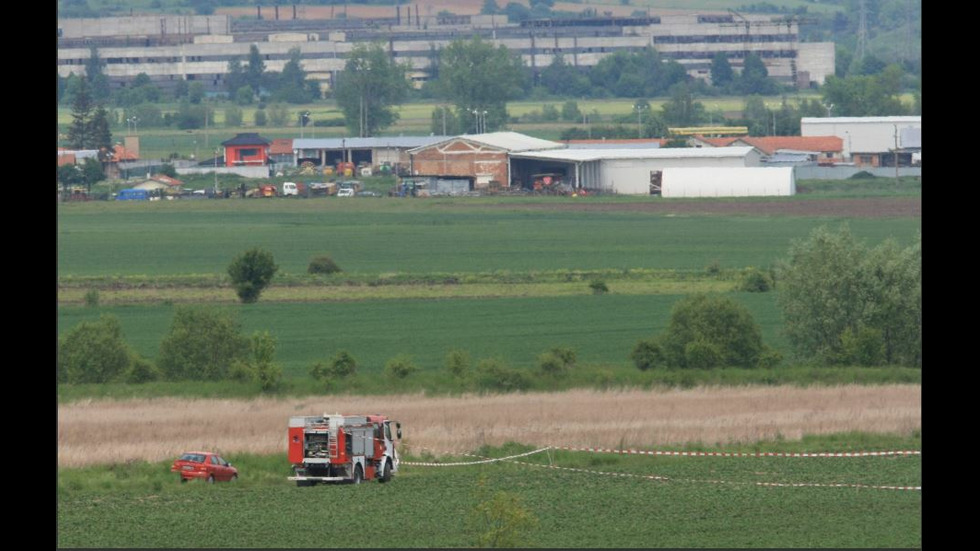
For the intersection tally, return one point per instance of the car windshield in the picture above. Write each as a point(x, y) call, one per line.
point(193, 457)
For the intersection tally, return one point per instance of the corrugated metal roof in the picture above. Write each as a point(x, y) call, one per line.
point(512, 141)
point(583, 155)
point(852, 120)
point(399, 142)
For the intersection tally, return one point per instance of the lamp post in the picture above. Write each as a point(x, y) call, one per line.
point(302, 122)
point(640, 107)
point(216, 171)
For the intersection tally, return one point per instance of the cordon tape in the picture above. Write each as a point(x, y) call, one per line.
point(512, 459)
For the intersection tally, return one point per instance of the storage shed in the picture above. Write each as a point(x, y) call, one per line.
point(630, 171)
point(728, 182)
point(484, 157)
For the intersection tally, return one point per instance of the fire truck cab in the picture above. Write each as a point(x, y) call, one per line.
point(342, 448)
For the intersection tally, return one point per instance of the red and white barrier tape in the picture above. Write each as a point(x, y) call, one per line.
point(738, 454)
point(512, 459)
point(461, 463)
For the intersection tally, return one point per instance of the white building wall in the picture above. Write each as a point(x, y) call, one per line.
point(728, 182)
point(860, 134)
point(632, 176)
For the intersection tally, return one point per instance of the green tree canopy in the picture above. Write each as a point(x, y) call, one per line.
point(371, 84)
point(711, 330)
point(844, 303)
point(478, 79)
point(201, 344)
point(251, 272)
point(94, 352)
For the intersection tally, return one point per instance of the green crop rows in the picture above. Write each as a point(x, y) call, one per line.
point(705, 502)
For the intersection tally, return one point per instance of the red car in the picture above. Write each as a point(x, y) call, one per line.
point(205, 466)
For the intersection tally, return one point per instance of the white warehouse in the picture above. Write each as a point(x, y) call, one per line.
point(635, 171)
point(867, 136)
point(728, 182)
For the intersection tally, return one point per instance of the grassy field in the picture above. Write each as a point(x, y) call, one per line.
point(651, 502)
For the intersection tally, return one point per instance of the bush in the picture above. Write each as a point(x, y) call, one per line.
point(323, 265)
point(458, 363)
point(92, 298)
point(400, 366)
point(598, 287)
point(93, 352)
point(754, 280)
point(556, 362)
point(263, 352)
point(251, 273)
point(260, 118)
point(201, 344)
point(493, 374)
point(711, 330)
point(342, 365)
point(648, 354)
point(142, 371)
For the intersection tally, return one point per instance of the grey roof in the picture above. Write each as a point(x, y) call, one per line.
point(247, 138)
point(398, 142)
point(512, 142)
point(614, 145)
point(583, 155)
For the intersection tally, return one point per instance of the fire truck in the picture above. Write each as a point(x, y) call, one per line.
point(342, 448)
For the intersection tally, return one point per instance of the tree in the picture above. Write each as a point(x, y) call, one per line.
point(840, 299)
point(722, 74)
point(201, 344)
point(754, 78)
point(490, 7)
point(95, 74)
point(292, 86)
point(233, 116)
point(261, 362)
point(251, 272)
point(235, 78)
point(255, 70)
point(94, 352)
point(91, 173)
point(478, 79)
point(704, 331)
point(681, 109)
point(371, 84)
point(99, 133)
point(500, 519)
point(80, 130)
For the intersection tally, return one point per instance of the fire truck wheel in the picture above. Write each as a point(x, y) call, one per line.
point(385, 473)
point(358, 475)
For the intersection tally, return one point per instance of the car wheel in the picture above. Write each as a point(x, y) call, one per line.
point(182, 479)
point(358, 475)
point(234, 477)
point(385, 473)
point(211, 479)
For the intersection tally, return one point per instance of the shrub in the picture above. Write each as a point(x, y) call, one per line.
point(598, 287)
point(92, 298)
point(251, 272)
point(458, 363)
point(323, 265)
point(93, 352)
point(263, 351)
point(400, 366)
point(342, 365)
point(770, 358)
point(493, 374)
point(557, 361)
point(501, 521)
point(142, 371)
point(201, 344)
point(648, 354)
point(711, 330)
point(863, 346)
point(754, 280)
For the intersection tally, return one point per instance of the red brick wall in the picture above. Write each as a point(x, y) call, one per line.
point(460, 158)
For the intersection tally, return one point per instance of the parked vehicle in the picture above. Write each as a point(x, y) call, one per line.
point(292, 188)
point(342, 448)
point(267, 190)
point(206, 466)
point(133, 195)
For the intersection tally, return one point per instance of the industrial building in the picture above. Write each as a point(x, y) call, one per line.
point(872, 141)
point(624, 171)
point(198, 47)
point(728, 182)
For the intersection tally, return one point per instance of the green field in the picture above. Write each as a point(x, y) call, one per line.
point(704, 502)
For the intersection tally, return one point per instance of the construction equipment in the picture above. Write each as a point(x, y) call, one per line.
point(342, 448)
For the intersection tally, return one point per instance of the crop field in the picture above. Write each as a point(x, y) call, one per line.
point(504, 278)
point(577, 500)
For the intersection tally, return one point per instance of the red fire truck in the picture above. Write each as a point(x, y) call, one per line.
point(342, 448)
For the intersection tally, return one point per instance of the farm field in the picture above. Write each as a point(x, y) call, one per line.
point(114, 471)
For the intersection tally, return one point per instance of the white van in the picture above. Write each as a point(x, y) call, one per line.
point(289, 188)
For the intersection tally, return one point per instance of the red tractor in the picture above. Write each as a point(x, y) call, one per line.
point(342, 448)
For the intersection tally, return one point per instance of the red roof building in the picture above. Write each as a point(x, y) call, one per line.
point(248, 149)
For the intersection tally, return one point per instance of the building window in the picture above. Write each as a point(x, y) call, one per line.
point(242, 153)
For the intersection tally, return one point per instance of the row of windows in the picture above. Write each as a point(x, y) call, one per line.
point(725, 38)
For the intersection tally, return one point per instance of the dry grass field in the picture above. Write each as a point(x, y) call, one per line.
point(103, 432)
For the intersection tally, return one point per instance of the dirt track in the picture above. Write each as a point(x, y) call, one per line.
point(101, 432)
